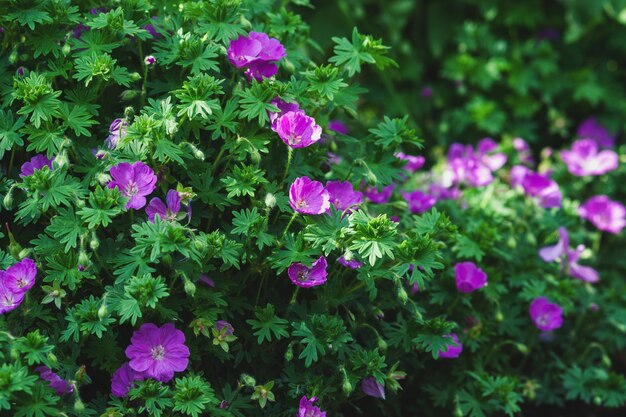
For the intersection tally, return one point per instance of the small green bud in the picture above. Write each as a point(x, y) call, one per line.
point(79, 406)
point(66, 49)
point(382, 345)
point(270, 200)
point(347, 387)
point(597, 400)
point(79, 202)
point(8, 199)
point(135, 76)
point(128, 95)
point(52, 359)
point(289, 353)
point(94, 243)
point(103, 178)
point(83, 258)
point(255, 157)
point(103, 311)
point(606, 361)
point(13, 57)
point(248, 380)
point(61, 159)
point(499, 316)
point(190, 287)
point(24, 253)
point(523, 349)
point(15, 355)
point(402, 295)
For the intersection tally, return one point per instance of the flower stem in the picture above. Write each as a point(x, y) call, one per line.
point(11, 160)
point(294, 296)
point(295, 214)
point(218, 158)
point(289, 158)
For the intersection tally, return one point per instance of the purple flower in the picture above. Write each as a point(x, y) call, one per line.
point(308, 197)
point(55, 382)
point(342, 195)
point(469, 277)
point(485, 151)
point(124, 379)
point(604, 213)
point(569, 258)
point(297, 129)
point(257, 51)
point(223, 324)
point(440, 192)
point(413, 163)
point(206, 280)
point(8, 299)
point(333, 159)
point(475, 167)
point(78, 30)
point(379, 197)
point(306, 277)
point(20, 71)
point(20, 277)
point(117, 130)
point(546, 315)
point(37, 162)
point(134, 181)
point(523, 151)
point(150, 60)
point(452, 352)
point(591, 129)
point(373, 388)
point(158, 352)
point(352, 263)
point(169, 212)
point(283, 107)
point(536, 185)
point(307, 409)
point(419, 202)
point(427, 92)
point(338, 126)
point(585, 159)
point(259, 70)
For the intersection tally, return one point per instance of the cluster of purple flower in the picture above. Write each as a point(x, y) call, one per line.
point(258, 53)
point(15, 282)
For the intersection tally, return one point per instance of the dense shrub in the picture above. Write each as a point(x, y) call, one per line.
point(206, 213)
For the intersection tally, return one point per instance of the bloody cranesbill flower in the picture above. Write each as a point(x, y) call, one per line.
point(591, 129)
point(134, 181)
point(37, 162)
point(413, 162)
point(373, 388)
point(20, 277)
point(306, 277)
point(338, 126)
point(546, 315)
point(536, 185)
point(307, 409)
point(342, 195)
point(169, 212)
point(419, 202)
point(469, 277)
point(441, 192)
point(604, 213)
point(379, 197)
point(283, 107)
point(259, 70)
point(258, 52)
point(452, 352)
point(158, 352)
point(585, 159)
point(124, 379)
point(55, 382)
point(569, 258)
point(117, 130)
point(308, 197)
point(352, 263)
point(8, 299)
point(223, 324)
point(297, 129)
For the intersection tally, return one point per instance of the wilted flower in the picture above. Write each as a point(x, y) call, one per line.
point(124, 379)
point(569, 257)
point(585, 159)
point(373, 388)
point(158, 352)
point(419, 202)
point(308, 197)
point(452, 352)
point(591, 129)
point(469, 277)
point(55, 382)
point(427, 92)
point(20, 277)
point(169, 212)
point(306, 277)
point(206, 280)
point(307, 409)
point(117, 130)
point(352, 263)
point(604, 213)
point(134, 181)
point(333, 159)
point(297, 129)
point(379, 197)
point(546, 315)
point(413, 162)
point(37, 162)
point(338, 126)
point(343, 195)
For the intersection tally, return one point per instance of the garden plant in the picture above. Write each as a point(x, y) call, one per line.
point(299, 208)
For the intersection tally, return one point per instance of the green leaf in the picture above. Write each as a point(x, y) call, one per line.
point(267, 323)
point(9, 135)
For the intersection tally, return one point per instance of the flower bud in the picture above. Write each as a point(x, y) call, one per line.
point(8, 199)
point(24, 253)
point(61, 159)
point(606, 361)
point(190, 287)
point(79, 407)
point(94, 243)
point(382, 345)
point(150, 60)
point(52, 359)
point(379, 314)
point(66, 49)
point(347, 387)
point(135, 76)
point(402, 295)
point(103, 311)
point(499, 316)
point(255, 157)
point(523, 349)
point(270, 200)
point(171, 127)
point(83, 258)
point(289, 353)
point(128, 95)
point(248, 380)
point(103, 178)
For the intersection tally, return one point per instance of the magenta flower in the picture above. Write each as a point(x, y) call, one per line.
point(469, 277)
point(297, 129)
point(258, 52)
point(283, 107)
point(440, 192)
point(591, 129)
point(308, 197)
point(221, 324)
point(474, 167)
point(169, 212)
point(259, 70)
point(36, 163)
point(8, 299)
point(333, 159)
point(306, 277)
point(379, 197)
point(342, 195)
point(452, 352)
point(569, 258)
point(419, 202)
point(124, 379)
point(117, 130)
point(413, 163)
point(20, 277)
point(150, 60)
point(338, 126)
point(546, 315)
point(536, 185)
point(524, 152)
point(585, 159)
point(134, 181)
point(352, 263)
point(55, 382)
point(307, 409)
point(604, 213)
point(486, 152)
point(158, 352)
point(373, 388)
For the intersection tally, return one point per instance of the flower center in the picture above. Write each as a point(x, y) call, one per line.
point(131, 189)
point(303, 276)
point(157, 352)
point(294, 139)
point(301, 203)
point(170, 216)
point(21, 282)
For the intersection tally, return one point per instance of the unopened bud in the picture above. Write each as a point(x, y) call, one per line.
point(103, 178)
point(66, 49)
point(135, 76)
point(402, 295)
point(103, 311)
point(347, 387)
point(190, 287)
point(94, 243)
point(52, 359)
point(248, 380)
point(129, 113)
point(150, 60)
point(382, 345)
point(8, 200)
point(83, 258)
point(79, 406)
point(270, 200)
point(499, 316)
point(523, 349)
point(289, 353)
